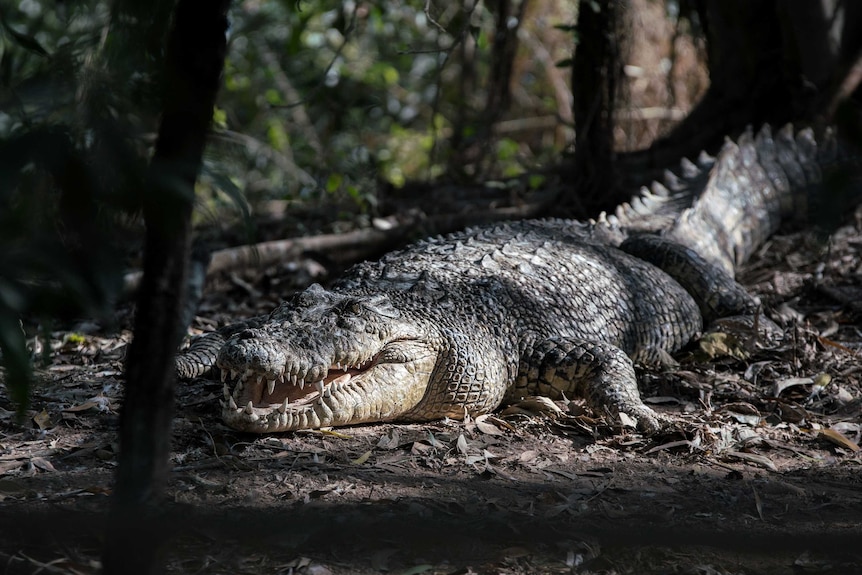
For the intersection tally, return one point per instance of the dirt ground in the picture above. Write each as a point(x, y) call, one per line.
point(761, 472)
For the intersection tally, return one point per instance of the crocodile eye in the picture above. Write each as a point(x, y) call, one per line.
point(354, 308)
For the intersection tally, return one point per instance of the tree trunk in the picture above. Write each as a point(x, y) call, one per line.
point(595, 70)
point(193, 64)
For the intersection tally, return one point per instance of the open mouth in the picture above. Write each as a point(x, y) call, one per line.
point(254, 393)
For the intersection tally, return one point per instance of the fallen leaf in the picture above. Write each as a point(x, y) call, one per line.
point(626, 420)
point(204, 482)
point(669, 445)
point(718, 344)
point(433, 441)
point(362, 458)
point(89, 404)
point(528, 456)
point(839, 439)
point(780, 386)
point(743, 413)
point(539, 405)
point(390, 440)
point(333, 433)
point(758, 504)
point(42, 420)
point(835, 344)
point(318, 493)
point(42, 464)
point(483, 425)
point(847, 427)
point(791, 413)
point(501, 423)
point(461, 444)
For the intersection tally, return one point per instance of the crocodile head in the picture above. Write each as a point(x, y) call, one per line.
point(325, 359)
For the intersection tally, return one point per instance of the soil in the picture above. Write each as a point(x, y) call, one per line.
point(760, 472)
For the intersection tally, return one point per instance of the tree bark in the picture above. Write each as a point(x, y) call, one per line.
point(193, 64)
point(595, 69)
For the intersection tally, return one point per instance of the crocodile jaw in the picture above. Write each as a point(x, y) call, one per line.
point(377, 390)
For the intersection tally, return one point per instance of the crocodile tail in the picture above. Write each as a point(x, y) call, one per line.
point(757, 185)
point(653, 208)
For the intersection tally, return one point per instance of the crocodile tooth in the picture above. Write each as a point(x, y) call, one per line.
point(319, 386)
point(338, 383)
point(283, 407)
point(270, 386)
point(259, 379)
point(248, 373)
point(234, 375)
point(239, 386)
point(232, 403)
point(249, 408)
point(225, 391)
point(222, 403)
point(327, 391)
point(301, 383)
point(223, 375)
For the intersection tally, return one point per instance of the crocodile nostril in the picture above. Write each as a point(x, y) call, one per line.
point(247, 334)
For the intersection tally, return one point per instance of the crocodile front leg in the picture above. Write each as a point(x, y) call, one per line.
point(599, 372)
point(470, 377)
point(200, 356)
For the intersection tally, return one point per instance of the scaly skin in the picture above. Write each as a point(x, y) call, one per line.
point(459, 324)
point(394, 340)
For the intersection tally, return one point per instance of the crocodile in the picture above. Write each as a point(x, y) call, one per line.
point(456, 325)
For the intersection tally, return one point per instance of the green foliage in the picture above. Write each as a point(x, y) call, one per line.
point(360, 92)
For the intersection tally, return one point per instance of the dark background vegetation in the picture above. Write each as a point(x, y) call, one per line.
point(122, 139)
